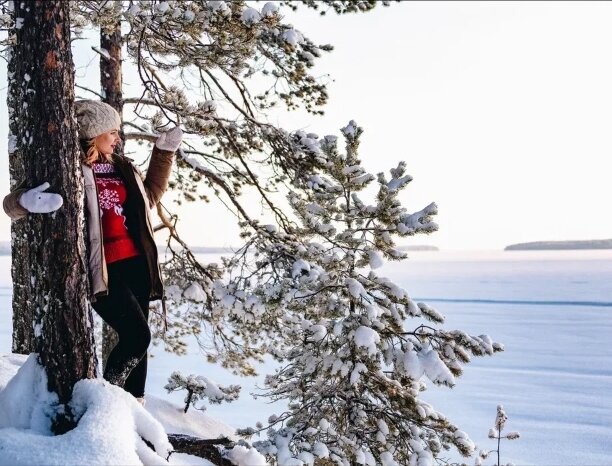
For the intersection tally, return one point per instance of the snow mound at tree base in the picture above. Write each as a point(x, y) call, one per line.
point(110, 427)
point(109, 430)
point(9, 365)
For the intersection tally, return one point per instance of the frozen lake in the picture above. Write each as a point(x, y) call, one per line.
point(551, 309)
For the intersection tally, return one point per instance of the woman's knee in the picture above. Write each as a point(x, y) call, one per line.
point(136, 341)
point(142, 340)
point(146, 338)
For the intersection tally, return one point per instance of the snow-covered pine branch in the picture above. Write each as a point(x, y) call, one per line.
point(199, 387)
point(495, 433)
point(356, 349)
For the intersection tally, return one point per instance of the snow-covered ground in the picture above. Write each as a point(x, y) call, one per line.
point(553, 312)
point(111, 427)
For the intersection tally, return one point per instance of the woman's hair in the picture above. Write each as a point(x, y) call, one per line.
point(90, 152)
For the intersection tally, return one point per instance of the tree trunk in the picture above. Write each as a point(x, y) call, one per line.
point(23, 316)
point(49, 255)
point(112, 90)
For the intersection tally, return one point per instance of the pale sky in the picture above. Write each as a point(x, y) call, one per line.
point(502, 112)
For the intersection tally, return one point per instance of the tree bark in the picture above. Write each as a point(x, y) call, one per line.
point(49, 256)
point(188, 402)
point(23, 316)
point(204, 448)
point(112, 89)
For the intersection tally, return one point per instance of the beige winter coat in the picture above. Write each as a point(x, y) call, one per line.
point(142, 195)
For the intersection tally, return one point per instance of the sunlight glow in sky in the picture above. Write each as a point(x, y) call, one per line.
point(501, 110)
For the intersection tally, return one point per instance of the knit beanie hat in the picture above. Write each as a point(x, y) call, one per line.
point(95, 117)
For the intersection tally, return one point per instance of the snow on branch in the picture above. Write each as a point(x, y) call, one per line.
point(199, 388)
point(495, 433)
point(356, 350)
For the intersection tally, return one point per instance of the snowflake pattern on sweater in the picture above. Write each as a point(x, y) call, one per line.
point(109, 199)
point(112, 196)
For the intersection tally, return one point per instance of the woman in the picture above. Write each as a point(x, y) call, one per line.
point(123, 264)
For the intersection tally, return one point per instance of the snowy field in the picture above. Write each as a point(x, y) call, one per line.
point(553, 312)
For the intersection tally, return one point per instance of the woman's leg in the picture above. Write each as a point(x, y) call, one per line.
point(135, 383)
point(139, 282)
point(123, 311)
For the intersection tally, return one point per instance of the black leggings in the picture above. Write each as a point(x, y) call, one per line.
point(126, 310)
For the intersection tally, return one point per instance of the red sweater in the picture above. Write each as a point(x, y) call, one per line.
point(118, 243)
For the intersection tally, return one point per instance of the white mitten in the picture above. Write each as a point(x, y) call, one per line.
point(170, 140)
point(38, 202)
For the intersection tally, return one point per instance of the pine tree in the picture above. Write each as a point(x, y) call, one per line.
point(189, 55)
point(220, 52)
point(495, 433)
point(52, 316)
point(111, 85)
point(354, 347)
point(199, 387)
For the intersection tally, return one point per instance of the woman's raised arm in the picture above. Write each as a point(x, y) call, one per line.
point(160, 166)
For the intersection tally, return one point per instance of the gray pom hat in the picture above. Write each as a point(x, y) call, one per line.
point(95, 117)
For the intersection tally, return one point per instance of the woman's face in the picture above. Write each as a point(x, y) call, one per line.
point(106, 142)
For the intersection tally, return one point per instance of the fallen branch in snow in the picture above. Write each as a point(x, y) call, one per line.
point(204, 448)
